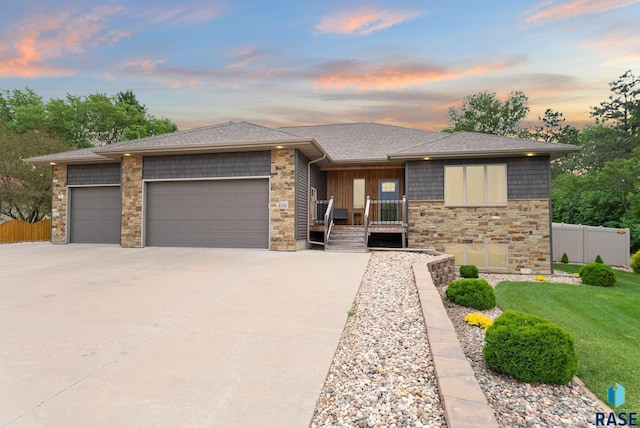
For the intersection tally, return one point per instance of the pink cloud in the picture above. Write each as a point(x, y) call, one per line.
point(244, 57)
point(363, 21)
point(185, 13)
point(364, 77)
point(31, 46)
point(548, 11)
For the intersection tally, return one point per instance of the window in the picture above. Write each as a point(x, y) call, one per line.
point(469, 185)
point(358, 194)
point(481, 255)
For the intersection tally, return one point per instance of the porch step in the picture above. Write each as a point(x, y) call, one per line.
point(346, 238)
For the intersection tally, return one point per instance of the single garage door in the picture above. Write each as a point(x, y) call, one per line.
point(211, 213)
point(95, 215)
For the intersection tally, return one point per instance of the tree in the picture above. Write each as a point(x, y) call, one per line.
point(95, 119)
point(623, 107)
point(484, 112)
point(25, 190)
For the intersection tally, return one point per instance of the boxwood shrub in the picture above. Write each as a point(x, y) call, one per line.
point(530, 349)
point(469, 271)
point(472, 293)
point(597, 274)
point(635, 262)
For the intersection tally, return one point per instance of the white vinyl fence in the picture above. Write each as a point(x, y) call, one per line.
point(583, 243)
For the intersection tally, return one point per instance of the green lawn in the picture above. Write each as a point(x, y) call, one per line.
point(604, 323)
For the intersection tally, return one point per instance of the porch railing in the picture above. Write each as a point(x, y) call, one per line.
point(391, 212)
point(367, 209)
point(317, 211)
point(328, 220)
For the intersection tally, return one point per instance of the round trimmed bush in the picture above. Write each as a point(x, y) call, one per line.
point(530, 349)
point(469, 271)
point(597, 274)
point(472, 293)
point(635, 262)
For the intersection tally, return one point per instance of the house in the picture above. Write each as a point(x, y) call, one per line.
point(483, 198)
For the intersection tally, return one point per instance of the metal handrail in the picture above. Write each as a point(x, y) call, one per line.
point(405, 215)
point(328, 220)
point(398, 207)
point(366, 221)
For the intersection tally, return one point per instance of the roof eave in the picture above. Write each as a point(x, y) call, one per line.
point(66, 160)
point(554, 154)
point(207, 147)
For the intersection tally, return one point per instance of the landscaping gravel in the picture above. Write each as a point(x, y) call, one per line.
point(382, 374)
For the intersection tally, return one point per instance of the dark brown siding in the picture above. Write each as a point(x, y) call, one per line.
point(105, 173)
point(527, 177)
point(209, 165)
point(340, 183)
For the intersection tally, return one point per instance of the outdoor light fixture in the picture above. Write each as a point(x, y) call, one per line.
point(52, 163)
point(427, 158)
point(279, 147)
point(127, 154)
point(529, 154)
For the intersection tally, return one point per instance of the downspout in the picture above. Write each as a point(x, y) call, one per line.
point(324, 156)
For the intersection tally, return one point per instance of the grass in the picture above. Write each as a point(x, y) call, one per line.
point(604, 323)
point(351, 313)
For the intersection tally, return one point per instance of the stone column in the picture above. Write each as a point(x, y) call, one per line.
point(283, 201)
point(59, 205)
point(131, 232)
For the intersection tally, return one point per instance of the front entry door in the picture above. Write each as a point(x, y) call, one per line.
point(388, 190)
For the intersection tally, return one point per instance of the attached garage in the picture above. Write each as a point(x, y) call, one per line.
point(224, 213)
point(95, 215)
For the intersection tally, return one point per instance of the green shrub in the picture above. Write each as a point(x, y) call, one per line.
point(472, 293)
point(530, 349)
point(597, 274)
point(635, 262)
point(598, 259)
point(565, 258)
point(468, 271)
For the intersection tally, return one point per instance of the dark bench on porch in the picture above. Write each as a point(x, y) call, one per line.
point(341, 214)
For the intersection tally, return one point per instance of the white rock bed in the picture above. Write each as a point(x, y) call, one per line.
point(519, 404)
point(382, 374)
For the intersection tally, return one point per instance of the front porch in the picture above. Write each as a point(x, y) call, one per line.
point(379, 223)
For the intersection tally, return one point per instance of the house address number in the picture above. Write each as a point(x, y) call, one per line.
point(282, 205)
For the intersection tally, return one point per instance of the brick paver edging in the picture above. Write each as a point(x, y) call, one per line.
point(465, 405)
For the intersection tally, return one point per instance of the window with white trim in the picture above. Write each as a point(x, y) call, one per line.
point(481, 255)
point(475, 185)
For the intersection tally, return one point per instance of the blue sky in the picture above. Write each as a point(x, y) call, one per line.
point(200, 62)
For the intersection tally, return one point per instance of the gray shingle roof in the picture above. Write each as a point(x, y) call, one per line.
point(343, 143)
point(359, 142)
point(73, 156)
point(224, 133)
point(475, 143)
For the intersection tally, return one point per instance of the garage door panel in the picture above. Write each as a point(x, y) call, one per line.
point(95, 215)
point(216, 213)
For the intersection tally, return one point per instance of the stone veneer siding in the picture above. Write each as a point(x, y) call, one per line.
point(523, 225)
point(131, 234)
point(282, 220)
point(59, 205)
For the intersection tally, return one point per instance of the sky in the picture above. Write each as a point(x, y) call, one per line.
point(286, 63)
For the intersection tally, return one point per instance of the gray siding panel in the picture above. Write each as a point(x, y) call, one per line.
point(319, 181)
point(527, 177)
point(106, 173)
point(95, 215)
point(208, 165)
point(302, 196)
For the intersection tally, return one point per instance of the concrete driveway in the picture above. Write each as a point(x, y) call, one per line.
point(101, 336)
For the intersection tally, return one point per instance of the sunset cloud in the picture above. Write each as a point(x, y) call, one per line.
point(30, 47)
point(550, 11)
point(351, 74)
point(244, 57)
point(194, 12)
point(363, 21)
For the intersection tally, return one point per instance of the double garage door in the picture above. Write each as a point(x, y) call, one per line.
point(208, 213)
point(211, 213)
